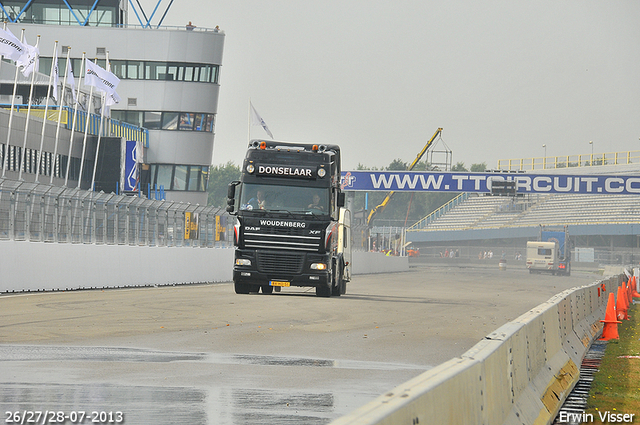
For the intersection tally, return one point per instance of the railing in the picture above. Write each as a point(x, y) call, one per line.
point(552, 162)
point(439, 212)
point(44, 213)
point(111, 127)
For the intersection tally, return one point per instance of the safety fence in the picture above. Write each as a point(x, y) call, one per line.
point(568, 161)
point(44, 213)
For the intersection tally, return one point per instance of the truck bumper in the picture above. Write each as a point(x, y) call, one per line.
point(255, 274)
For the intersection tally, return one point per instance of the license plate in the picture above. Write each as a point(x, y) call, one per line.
point(278, 283)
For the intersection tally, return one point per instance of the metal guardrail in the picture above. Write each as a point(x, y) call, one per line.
point(568, 161)
point(44, 213)
point(425, 221)
point(110, 128)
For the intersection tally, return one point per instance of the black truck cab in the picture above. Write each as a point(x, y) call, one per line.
point(291, 225)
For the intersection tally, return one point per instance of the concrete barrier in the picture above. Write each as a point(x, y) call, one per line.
point(36, 266)
point(32, 266)
point(519, 374)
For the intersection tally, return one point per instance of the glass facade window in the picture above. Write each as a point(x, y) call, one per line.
point(143, 70)
point(165, 172)
point(170, 120)
point(193, 178)
point(56, 13)
point(180, 178)
point(199, 122)
point(204, 179)
point(153, 120)
point(209, 126)
point(186, 121)
point(194, 172)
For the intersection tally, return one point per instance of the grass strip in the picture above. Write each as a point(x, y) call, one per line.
point(615, 391)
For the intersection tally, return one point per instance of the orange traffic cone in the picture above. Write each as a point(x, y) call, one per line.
point(621, 304)
point(610, 330)
point(634, 293)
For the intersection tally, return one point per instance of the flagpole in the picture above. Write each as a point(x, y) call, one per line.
point(13, 103)
point(73, 122)
point(64, 86)
point(86, 131)
point(54, 64)
point(249, 121)
point(4, 28)
point(104, 101)
point(23, 154)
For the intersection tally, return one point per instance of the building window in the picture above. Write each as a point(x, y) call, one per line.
point(170, 120)
point(153, 120)
point(180, 178)
point(165, 172)
point(193, 178)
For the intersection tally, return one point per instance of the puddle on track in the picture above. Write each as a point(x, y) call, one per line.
point(41, 378)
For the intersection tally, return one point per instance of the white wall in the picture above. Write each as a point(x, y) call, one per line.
point(34, 266)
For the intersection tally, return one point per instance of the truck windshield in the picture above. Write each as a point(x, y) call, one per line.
point(307, 200)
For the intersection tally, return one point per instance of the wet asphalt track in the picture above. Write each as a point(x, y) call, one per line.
point(204, 355)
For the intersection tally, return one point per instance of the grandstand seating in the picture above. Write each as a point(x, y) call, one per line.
point(487, 212)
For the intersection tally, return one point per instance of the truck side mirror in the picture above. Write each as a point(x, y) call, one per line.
point(231, 194)
point(231, 189)
point(340, 199)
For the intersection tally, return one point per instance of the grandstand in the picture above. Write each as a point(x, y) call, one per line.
point(608, 220)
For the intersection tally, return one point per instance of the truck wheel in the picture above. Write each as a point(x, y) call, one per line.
point(323, 291)
point(267, 289)
point(336, 280)
point(242, 288)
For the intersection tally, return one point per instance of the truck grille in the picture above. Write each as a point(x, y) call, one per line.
point(292, 239)
point(275, 263)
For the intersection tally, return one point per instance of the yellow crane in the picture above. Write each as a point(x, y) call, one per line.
point(386, 200)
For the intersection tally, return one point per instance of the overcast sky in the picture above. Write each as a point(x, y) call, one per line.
point(501, 77)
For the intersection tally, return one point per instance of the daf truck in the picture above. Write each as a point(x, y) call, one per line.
point(292, 227)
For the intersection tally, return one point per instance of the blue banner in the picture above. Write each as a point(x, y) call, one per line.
point(132, 156)
point(423, 181)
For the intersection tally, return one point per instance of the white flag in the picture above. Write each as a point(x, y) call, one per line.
point(256, 119)
point(100, 78)
point(10, 46)
point(56, 75)
point(72, 81)
point(112, 99)
point(29, 59)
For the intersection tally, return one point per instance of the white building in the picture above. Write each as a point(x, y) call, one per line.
point(169, 85)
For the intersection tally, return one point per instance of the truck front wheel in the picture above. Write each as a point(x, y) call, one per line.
point(338, 286)
point(245, 288)
point(323, 291)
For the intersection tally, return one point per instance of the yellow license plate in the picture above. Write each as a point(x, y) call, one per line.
point(278, 283)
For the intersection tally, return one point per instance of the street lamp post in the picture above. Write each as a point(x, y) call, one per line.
point(591, 143)
point(544, 160)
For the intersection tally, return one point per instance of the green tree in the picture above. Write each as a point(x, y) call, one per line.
point(219, 178)
point(459, 167)
point(478, 168)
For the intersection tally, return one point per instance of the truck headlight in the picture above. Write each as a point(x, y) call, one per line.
point(318, 266)
point(243, 262)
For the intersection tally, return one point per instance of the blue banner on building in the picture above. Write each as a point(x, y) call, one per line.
point(132, 158)
point(422, 181)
